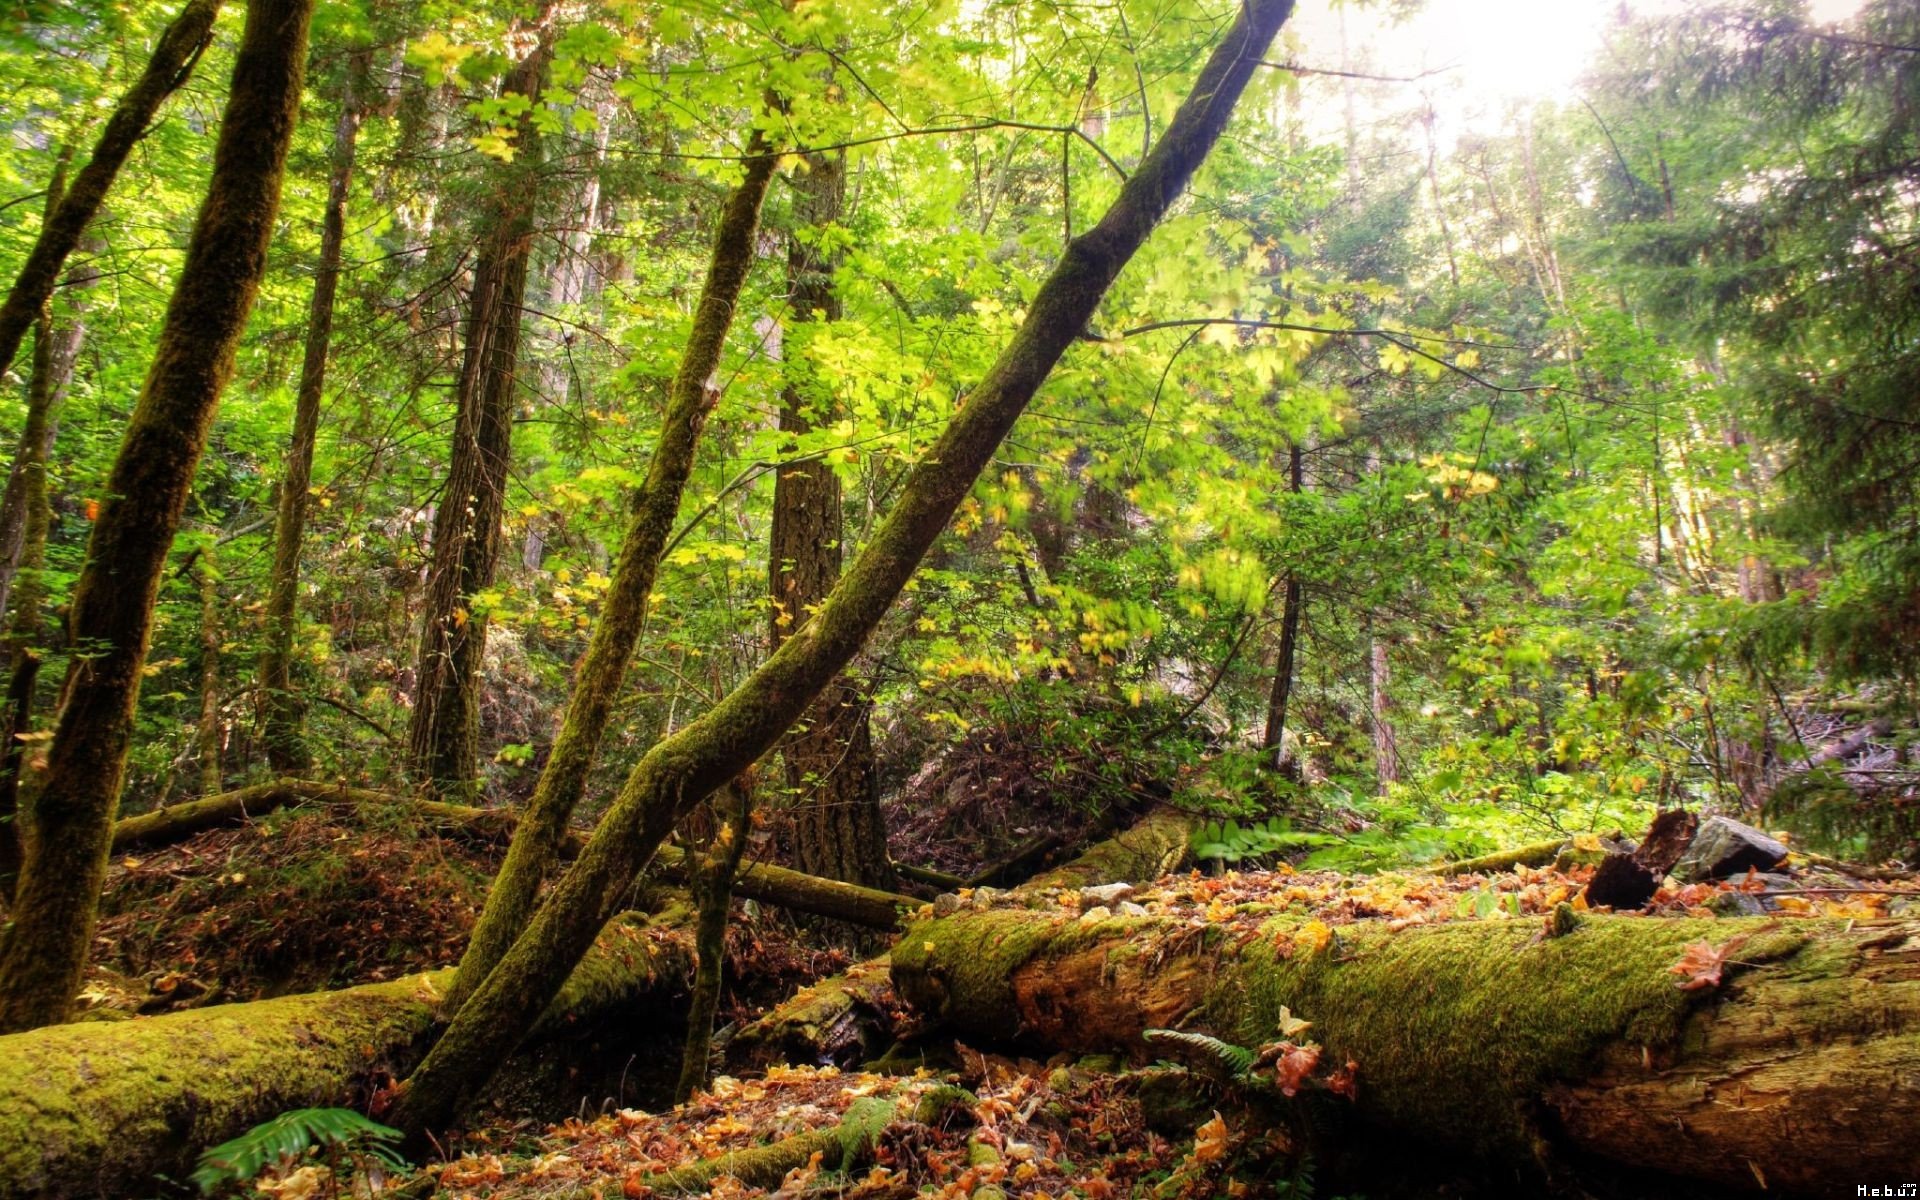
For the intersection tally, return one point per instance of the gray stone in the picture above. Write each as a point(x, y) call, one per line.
point(1724, 848)
point(1106, 893)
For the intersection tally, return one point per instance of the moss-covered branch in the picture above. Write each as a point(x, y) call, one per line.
point(1798, 1067)
point(684, 769)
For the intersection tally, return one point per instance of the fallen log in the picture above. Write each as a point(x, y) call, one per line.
point(176, 823)
point(1535, 854)
point(1495, 1036)
point(1148, 849)
point(848, 1018)
point(869, 908)
point(98, 1108)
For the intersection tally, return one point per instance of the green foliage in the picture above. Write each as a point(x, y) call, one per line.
point(333, 1132)
point(1231, 842)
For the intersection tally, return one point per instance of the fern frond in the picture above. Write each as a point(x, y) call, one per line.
point(1217, 1057)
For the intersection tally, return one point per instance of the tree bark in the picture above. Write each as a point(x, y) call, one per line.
point(623, 613)
point(1273, 741)
point(71, 811)
point(832, 788)
point(26, 518)
point(684, 769)
point(444, 734)
point(173, 61)
point(710, 878)
point(283, 711)
point(209, 736)
point(97, 1108)
point(1486, 1036)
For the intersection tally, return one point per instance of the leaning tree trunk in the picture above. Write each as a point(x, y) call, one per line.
point(173, 61)
point(839, 831)
point(684, 769)
point(98, 1108)
point(1496, 1038)
point(444, 736)
point(283, 712)
point(70, 812)
point(623, 611)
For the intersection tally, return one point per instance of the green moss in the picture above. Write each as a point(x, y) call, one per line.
point(84, 1108)
point(976, 955)
point(1464, 1022)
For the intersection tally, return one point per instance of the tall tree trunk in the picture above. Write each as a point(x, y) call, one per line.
point(70, 813)
point(839, 831)
point(444, 737)
point(1386, 746)
point(1274, 739)
point(209, 735)
point(623, 612)
point(53, 357)
point(172, 62)
point(684, 769)
point(284, 712)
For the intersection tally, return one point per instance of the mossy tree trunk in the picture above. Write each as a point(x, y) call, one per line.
point(282, 711)
point(1489, 1037)
point(173, 60)
point(535, 849)
point(710, 878)
point(684, 769)
point(28, 502)
point(839, 831)
point(443, 737)
point(69, 811)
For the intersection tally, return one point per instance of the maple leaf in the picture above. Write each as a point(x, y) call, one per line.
point(1296, 1063)
point(1210, 1140)
point(1702, 964)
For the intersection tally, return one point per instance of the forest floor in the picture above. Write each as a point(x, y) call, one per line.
point(333, 895)
point(1090, 1127)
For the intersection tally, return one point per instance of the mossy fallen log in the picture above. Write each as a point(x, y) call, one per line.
point(1798, 1069)
point(846, 1019)
point(98, 1108)
point(1536, 854)
point(869, 908)
point(176, 823)
point(1148, 849)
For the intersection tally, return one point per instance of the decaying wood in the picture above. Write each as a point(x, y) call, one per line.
point(1798, 1067)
